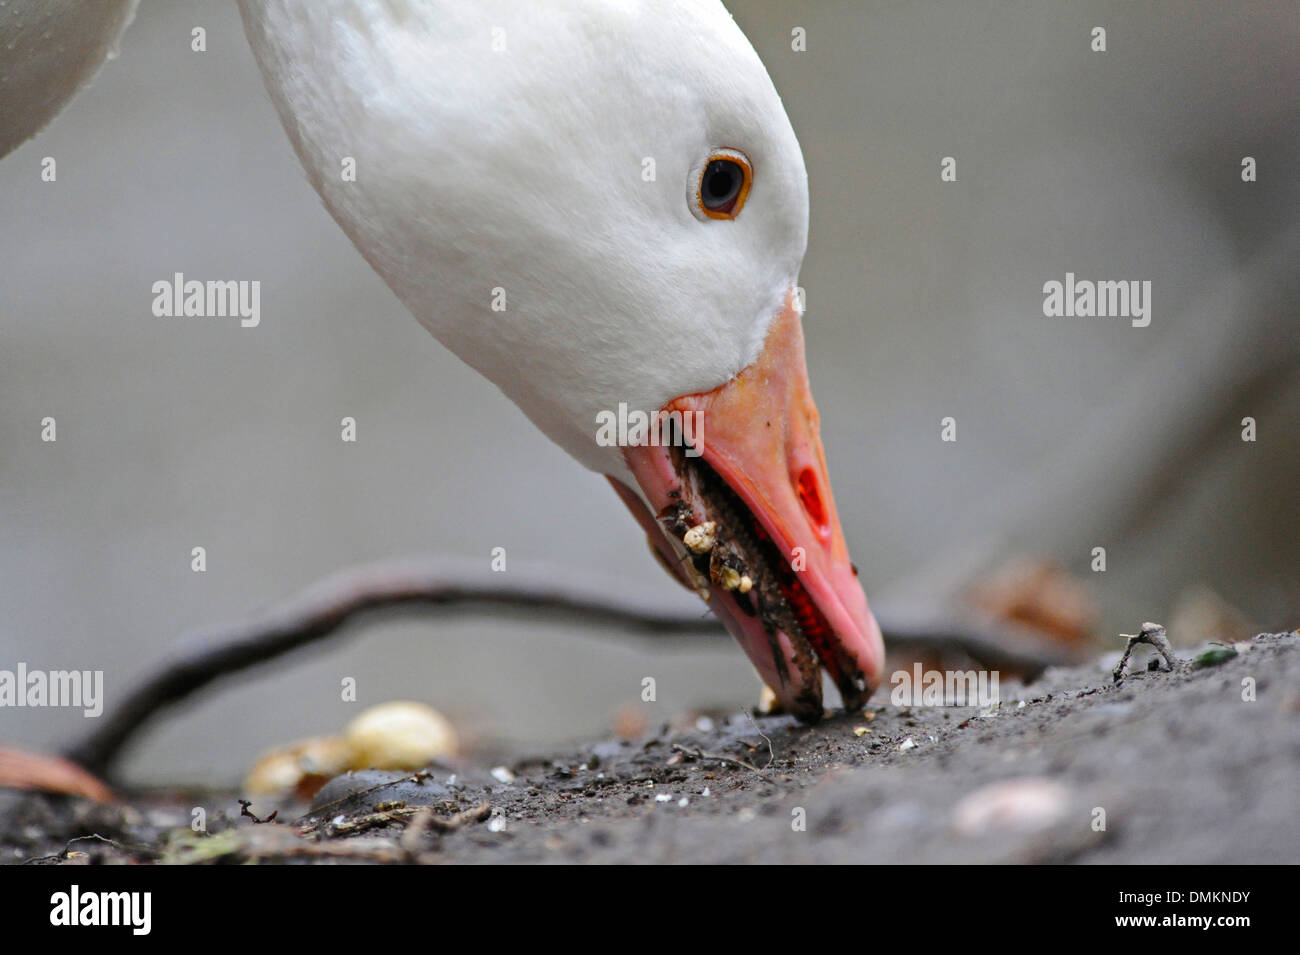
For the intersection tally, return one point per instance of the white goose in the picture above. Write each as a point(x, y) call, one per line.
point(619, 179)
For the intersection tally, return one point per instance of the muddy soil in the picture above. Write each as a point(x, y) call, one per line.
point(1165, 767)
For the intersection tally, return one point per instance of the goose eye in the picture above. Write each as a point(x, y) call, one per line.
point(724, 184)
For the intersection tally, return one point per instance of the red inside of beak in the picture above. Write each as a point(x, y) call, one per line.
point(811, 500)
point(747, 518)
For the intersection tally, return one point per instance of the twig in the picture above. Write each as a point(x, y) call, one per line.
point(427, 820)
point(418, 820)
point(992, 643)
point(325, 608)
point(701, 754)
point(754, 723)
point(462, 818)
point(1153, 635)
point(318, 812)
point(415, 831)
point(62, 855)
point(245, 811)
point(371, 850)
point(280, 842)
point(360, 824)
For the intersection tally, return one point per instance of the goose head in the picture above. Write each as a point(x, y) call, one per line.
point(602, 207)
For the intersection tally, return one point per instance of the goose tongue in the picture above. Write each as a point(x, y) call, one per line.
point(746, 516)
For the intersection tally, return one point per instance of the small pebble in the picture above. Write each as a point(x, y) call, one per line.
point(1026, 804)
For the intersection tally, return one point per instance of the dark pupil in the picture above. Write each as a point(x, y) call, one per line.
point(722, 181)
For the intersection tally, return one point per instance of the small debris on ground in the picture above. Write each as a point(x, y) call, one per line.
point(1152, 634)
point(1087, 771)
point(399, 734)
point(1213, 657)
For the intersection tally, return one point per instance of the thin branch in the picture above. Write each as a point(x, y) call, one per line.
point(257, 820)
point(62, 856)
point(323, 811)
point(321, 610)
point(324, 609)
point(771, 754)
point(1153, 635)
point(992, 643)
point(701, 754)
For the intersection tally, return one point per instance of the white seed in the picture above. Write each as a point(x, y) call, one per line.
point(277, 772)
point(700, 538)
point(399, 735)
point(746, 584)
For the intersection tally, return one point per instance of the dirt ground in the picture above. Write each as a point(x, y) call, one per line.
point(1165, 767)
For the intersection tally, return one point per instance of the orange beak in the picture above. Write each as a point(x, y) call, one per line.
point(764, 542)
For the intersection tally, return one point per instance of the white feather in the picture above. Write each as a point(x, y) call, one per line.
point(521, 169)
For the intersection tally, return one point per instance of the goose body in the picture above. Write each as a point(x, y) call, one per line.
point(535, 181)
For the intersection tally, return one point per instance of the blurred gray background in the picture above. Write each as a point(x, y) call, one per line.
point(924, 300)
